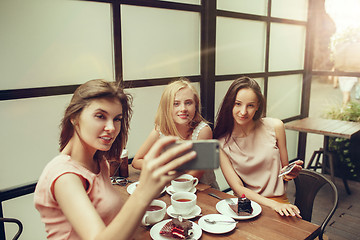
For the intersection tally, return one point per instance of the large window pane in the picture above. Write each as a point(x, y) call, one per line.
point(240, 46)
point(284, 104)
point(294, 9)
point(23, 208)
point(49, 43)
point(159, 43)
point(31, 127)
point(196, 2)
point(258, 7)
point(287, 47)
point(292, 142)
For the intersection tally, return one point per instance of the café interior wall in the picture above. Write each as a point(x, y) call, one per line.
point(69, 53)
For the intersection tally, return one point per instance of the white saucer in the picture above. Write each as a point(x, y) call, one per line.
point(219, 227)
point(194, 213)
point(155, 231)
point(223, 208)
point(131, 188)
point(170, 190)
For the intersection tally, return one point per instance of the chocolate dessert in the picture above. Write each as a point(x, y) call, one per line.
point(243, 207)
point(176, 229)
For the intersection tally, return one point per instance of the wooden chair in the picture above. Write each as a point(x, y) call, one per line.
point(13, 220)
point(307, 184)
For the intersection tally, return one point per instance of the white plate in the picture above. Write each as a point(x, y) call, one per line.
point(155, 231)
point(219, 227)
point(131, 188)
point(223, 208)
point(170, 190)
point(194, 213)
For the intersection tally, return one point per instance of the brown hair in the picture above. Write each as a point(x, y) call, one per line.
point(163, 118)
point(224, 119)
point(82, 97)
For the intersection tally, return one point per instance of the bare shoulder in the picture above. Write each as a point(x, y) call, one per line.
point(275, 122)
point(205, 133)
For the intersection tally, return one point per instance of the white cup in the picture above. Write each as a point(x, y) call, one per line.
point(184, 183)
point(183, 202)
point(155, 213)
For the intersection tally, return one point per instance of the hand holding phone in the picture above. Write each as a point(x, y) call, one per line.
point(288, 169)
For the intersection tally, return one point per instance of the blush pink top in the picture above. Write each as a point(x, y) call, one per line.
point(256, 159)
point(102, 194)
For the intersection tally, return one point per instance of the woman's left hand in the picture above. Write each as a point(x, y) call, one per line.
point(294, 172)
point(287, 210)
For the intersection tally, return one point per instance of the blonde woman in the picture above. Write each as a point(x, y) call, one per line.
point(179, 115)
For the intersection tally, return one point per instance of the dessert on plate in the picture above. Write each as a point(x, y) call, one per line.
point(243, 206)
point(177, 229)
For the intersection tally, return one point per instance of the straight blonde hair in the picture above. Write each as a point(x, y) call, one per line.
point(163, 119)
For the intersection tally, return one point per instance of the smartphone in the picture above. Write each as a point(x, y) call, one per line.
point(288, 169)
point(207, 155)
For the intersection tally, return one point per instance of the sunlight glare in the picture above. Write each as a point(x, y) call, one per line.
point(345, 13)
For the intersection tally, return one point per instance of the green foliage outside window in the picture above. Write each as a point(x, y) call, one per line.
point(349, 160)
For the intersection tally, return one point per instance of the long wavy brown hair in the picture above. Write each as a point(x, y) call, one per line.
point(82, 97)
point(224, 123)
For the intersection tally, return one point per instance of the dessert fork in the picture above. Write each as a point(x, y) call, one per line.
point(217, 221)
point(230, 201)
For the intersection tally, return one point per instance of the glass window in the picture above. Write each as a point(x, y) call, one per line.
point(31, 127)
point(284, 96)
point(287, 47)
point(240, 46)
point(294, 9)
point(54, 43)
point(196, 2)
point(159, 43)
point(258, 7)
point(23, 208)
point(292, 142)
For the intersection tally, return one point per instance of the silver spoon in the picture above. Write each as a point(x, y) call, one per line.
point(217, 221)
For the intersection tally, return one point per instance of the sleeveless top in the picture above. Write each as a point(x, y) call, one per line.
point(208, 177)
point(256, 159)
point(101, 193)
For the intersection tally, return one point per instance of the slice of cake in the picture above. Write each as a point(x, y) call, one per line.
point(177, 229)
point(243, 206)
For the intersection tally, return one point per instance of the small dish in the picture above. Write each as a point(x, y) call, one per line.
point(131, 188)
point(194, 213)
point(155, 231)
point(223, 208)
point(217, 228)
point(170, 190)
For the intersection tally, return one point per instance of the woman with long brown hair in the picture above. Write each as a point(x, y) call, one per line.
point(74, 195)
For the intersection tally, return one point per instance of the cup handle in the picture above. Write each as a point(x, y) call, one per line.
point(143, 221)
point(195, 182)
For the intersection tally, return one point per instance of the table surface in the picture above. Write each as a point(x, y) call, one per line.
point(326, 127)
point(268, 225)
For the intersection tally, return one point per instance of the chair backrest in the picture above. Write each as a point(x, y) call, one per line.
point(308, 183)
point(13, 220)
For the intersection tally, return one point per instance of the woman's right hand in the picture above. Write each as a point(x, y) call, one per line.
point(159, 167)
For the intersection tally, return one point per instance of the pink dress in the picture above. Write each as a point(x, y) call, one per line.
point(256, 159)
point(102, 194)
